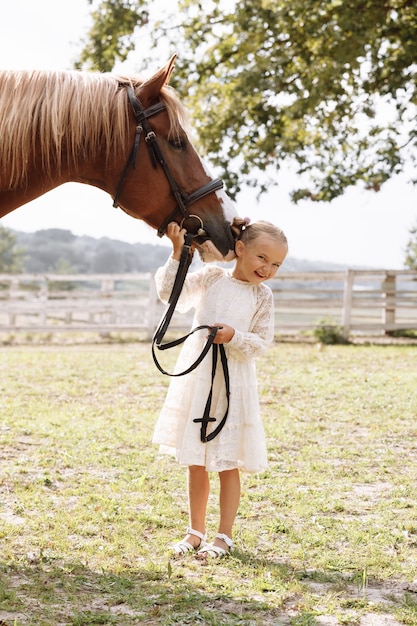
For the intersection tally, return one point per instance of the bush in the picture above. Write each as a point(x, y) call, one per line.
point(405, 332)
point(328, 332)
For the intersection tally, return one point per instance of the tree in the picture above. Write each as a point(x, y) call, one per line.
point(329, 85)
point(11, 257)
point(111, 36)
point(107, 259)
point(52, 249)
point(411, 250)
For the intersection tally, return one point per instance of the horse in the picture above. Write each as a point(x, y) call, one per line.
point(86, 127)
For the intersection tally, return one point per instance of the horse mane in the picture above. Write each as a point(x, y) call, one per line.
point(50, 116)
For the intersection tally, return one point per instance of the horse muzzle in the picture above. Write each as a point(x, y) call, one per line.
point(206, 242)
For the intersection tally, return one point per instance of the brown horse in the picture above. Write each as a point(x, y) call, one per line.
point(57, 127)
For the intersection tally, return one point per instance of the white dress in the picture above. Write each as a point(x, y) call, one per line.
point(217, 298)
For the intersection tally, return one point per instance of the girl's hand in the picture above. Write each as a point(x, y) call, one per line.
point(177, 236)
point(224, 334)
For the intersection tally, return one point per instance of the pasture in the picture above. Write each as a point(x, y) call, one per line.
point(326, 537)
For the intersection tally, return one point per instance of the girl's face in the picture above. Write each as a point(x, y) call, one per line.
point(258, 260)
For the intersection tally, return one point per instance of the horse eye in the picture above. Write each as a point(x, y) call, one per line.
point(178, 143)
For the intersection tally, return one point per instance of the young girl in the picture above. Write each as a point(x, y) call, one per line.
point(242, 308)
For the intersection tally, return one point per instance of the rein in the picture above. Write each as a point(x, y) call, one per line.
point(183, 199)
point(185, 261)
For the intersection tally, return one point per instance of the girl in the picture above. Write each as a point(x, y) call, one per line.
point(242, 308)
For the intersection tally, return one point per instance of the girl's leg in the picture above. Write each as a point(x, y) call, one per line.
point(198, 493)
point(229, 504)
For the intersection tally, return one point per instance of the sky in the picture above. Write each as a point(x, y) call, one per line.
point(362, 228)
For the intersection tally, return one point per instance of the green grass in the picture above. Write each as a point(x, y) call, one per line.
point(88, 506)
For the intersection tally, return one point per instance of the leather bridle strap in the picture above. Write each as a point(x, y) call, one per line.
point(141, 116)
point(183, 199)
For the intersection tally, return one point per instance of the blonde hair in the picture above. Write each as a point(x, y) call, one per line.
point(249, 232)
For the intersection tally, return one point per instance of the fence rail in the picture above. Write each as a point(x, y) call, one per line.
point(356, 301)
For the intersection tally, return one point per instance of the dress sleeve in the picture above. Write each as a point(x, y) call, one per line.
point(246, 346)
point(164, 281)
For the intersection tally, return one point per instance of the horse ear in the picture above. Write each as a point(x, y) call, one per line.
point(170, 67)
point(153, 85)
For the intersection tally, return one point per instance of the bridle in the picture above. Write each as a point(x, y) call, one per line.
point(183, 199)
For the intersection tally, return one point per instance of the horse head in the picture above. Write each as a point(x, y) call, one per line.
point(178, 184)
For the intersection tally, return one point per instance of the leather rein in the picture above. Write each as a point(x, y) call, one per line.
point(184, 200)
point(185, 260)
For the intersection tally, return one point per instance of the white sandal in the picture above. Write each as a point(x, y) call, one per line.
point(183, 547)
point(215, 552)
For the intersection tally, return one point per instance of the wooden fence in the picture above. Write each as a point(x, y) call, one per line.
point(356, 301)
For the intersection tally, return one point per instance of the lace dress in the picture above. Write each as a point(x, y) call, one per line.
point(217, 298)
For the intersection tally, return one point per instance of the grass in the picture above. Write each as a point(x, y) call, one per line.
point(88, 506)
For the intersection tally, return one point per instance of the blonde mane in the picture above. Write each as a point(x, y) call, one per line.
point(65, 117)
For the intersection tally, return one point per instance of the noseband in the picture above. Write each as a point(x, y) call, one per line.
point(183, 199)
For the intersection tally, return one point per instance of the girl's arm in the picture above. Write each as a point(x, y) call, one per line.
point(246, 346)
point(165, 276)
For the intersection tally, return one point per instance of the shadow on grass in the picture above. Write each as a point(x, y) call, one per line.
point(54, 593)
point(70, 594)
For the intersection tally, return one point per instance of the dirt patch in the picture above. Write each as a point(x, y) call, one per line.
point(376, 595)
point(378, 619)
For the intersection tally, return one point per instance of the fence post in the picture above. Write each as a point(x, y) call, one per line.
point(347, 302)
point(43, 296)
point(14, 287)
point(107, 287)
point(13, 293)
point(388, 289)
